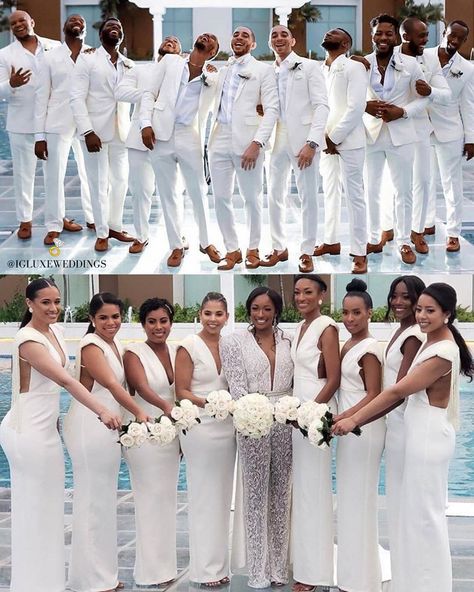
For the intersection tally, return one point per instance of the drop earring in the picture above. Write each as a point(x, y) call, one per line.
point(320, 302)
point(30, 309)
point(446, 321)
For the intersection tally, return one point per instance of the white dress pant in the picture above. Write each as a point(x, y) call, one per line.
point(24, 168)
point(400, 163)
point(54, 174)
point(345, 171)
point(107, 175)
point(183, 149)
point(448, 157)
point(225, 165)
point(307, 182)
point(141, 182)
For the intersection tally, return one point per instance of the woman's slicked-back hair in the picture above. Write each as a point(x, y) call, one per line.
point(214, 297)
point(98, 301)
point(272, 294)
point(414, 285)
point(31, 292)
point(357, 287)
point(154, 304)
point(314, 278)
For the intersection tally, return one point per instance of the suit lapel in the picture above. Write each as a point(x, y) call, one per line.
point(220, 84)
point(178, 77)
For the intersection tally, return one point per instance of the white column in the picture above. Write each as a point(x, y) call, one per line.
point(227, 289)
point(157, 13)
point(283, 12)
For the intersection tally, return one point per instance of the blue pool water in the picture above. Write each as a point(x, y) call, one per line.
point(461, 474)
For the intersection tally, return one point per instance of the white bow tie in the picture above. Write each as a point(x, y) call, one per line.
point(233, 60)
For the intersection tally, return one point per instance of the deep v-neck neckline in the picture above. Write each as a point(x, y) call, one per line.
point(219, 373)
point(301, 337)
point(394, 339)
point(161, 363)
point(62, 354)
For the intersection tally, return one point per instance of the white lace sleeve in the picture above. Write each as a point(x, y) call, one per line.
point(233, 365)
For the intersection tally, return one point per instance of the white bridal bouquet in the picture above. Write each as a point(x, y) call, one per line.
point(308, 412)
point(218, 405)
point(253, 415)
point(315, 422)
point(162, 431)
point(286, 409)
point(134, 433)
point(185, 415)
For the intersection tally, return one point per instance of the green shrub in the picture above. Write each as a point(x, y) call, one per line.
point(14, 310)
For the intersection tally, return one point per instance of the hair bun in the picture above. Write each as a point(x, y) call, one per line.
point(356, 285)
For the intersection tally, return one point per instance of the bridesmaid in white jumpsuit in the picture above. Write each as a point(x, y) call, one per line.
point(315, 354)
point(431, 416)
point(95, 453)
point(209, 449)
point(358, 458)
point(149, 370)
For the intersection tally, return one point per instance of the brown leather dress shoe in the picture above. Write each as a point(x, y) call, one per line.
point(137, 247)
point(101, 244)
point(429, 230)
point(274, 258)
point(231, 259)
point(387, 236)
point(407, 254)
point(452, 244)
point(49, 238)
point(174, 260)
point(327, 249)
point(212, 253)
point(306, 264)
point(252, 259)
point(24, 231)
point(90, 225)
point(421, 246)
point(374, 248)
point(121, 236)
point(359, 264)
point(71, 226)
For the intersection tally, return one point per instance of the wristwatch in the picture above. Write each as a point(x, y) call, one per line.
point(312, 144)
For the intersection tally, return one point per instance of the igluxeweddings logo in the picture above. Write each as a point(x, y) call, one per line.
point(55, 250)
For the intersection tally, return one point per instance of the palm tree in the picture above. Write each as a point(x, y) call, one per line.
point(429, 13)
point(4, 16)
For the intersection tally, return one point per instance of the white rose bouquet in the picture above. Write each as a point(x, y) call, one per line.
point(162, 431)
point(286, 409)
point(135, 433)
point(218, 404)
point(185, 415)
point(253, 415)
point(319, 430)
point(308, 412)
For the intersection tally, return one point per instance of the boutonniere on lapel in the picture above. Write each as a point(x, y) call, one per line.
point(396, 66)
point(245, 75)
point(296, 66)
point(206, 80)
point(456, 72)
point(128, 64)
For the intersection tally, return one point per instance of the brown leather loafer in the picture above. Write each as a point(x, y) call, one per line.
point(231, 259)
point(374, 248)
point(306, 264)
point(101, 244)
point(387, 236)
point(49, 238)
point(452, 244)
point(429, 230)
point(252, 259)
point(418, 239)
point(90, 225)
point(137, 247)
point(71, 226)
point(407, 254)
point(174, 260)
point(121, 236)
point(24, 231)
point(327, 249)
point(274, 258)
point(212, 253)
point(359, 264)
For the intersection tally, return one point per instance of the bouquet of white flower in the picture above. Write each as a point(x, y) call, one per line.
point(308, 412)
point(185, 415)
point(253, 415)
point(218, 405)
point(135, 433)
point(162, 431)
point(319, 430)
point(286, 409)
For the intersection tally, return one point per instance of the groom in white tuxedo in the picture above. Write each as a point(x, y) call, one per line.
point(298, 140)
point(237, 142)
point(18, 77)
point(174, 111)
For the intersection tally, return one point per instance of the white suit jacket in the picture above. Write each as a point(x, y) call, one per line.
point(258, 87)
point(454, 120)
point(52, 111)
point(130, 90)
point(306, 103)
point(403, 94)
point(21, 100)
point(158, 105)
point(92, 97)
point(347, 82)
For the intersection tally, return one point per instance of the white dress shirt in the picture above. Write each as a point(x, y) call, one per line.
point(282, 69)
point(189, 94)
point(383, 90)
point(231, 84)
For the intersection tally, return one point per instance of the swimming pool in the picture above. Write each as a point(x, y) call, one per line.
point(461, 474)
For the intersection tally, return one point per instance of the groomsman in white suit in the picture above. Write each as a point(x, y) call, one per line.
point(55, 130)
point(342, 163)
point(141, 178)
point(298, 140)
point(103, 124)
point(237, 142)
point(18, 78)
point(174, 111)
point(453, 130)
point(392, 104)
